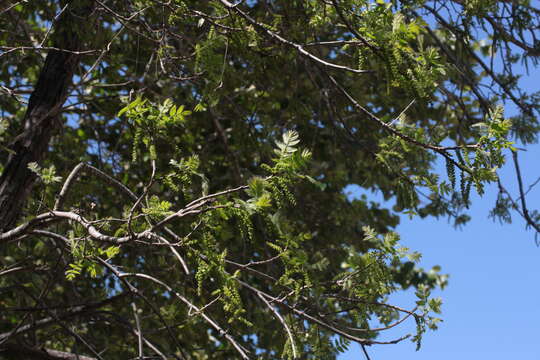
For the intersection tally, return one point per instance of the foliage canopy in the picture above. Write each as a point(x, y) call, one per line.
point(173, 173)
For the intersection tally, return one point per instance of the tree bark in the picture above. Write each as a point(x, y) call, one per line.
point(42, 116)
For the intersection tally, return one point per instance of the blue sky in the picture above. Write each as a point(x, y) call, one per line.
point(490, 307)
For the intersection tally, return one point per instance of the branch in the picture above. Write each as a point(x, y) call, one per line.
point(191, 306)
point(524, 208)
point(282, 321)
point(316, 320)
point(438, 149)
point(20, 351)
point(282, 40)
point(76, 310)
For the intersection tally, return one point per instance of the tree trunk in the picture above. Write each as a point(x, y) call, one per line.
point(43, 116)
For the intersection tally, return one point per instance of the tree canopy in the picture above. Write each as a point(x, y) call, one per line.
point(174, 172)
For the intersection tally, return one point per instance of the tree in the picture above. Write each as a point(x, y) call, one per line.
point(174, 172)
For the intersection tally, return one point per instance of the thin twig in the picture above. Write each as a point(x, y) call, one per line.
point(283, 323)
point(139, 331)
point(52, 25)
point(524, 208)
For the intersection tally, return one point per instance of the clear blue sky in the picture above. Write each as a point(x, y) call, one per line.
point(491, 305)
